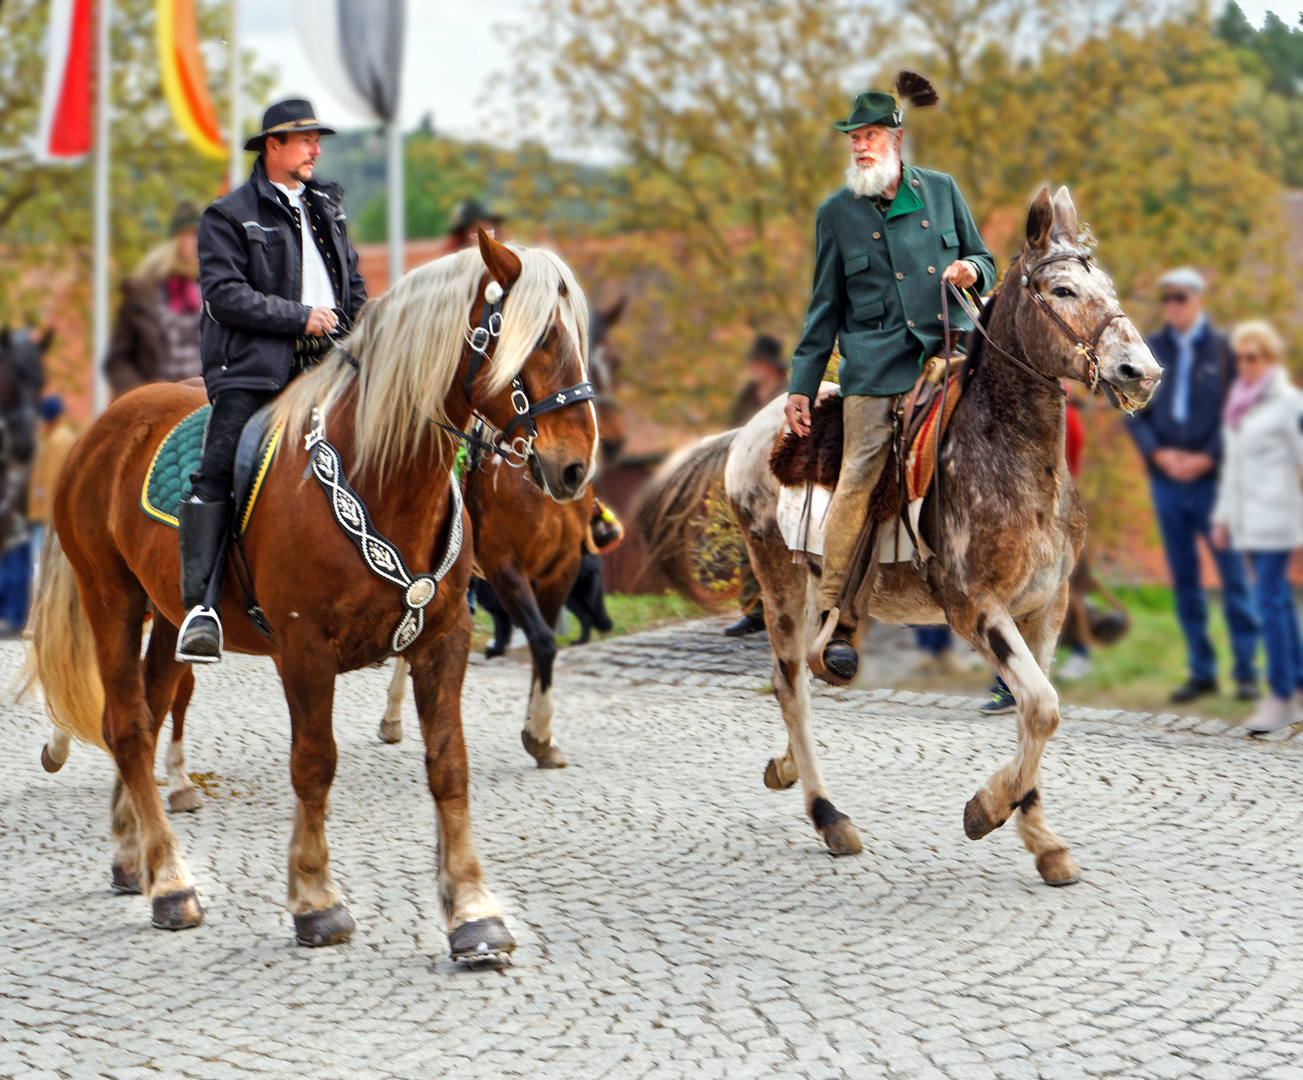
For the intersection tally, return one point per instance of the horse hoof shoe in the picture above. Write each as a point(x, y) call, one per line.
point(47, 762)
point(391, 731)
point(481, 941)
point(1057, 868)
point(977, 822)
point(313, 929)
point(124, 882)
point(772, 780)
point(178, 910)
point(183, 801)
point(547, 754)
point(842, 838)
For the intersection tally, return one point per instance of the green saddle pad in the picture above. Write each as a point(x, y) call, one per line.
point(167, 482)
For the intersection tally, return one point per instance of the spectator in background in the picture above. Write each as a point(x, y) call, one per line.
point(156, 333)
point(1259, 509)
point(468, 217)
point(56, 439)
point(1179, 436)
point(767, 372)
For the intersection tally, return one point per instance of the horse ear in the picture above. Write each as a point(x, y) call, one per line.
point(47, 339)
point(1040, 220)
point(504, 264)
point(1065, 216)
point(611, 315)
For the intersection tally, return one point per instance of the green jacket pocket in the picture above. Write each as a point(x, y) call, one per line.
point(854, 264)
point(873, 309)
point(950, 238)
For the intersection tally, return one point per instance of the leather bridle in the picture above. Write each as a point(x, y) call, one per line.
point(1087, 350)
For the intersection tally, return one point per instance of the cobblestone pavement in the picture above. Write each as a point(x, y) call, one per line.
point(674, 917)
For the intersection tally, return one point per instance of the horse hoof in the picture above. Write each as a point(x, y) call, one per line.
point(47, 762)
point(124, 882)
point(547, 754)
point(178, 910)
point(977, 821)
point(391, 731)
point(481, 941)
point(1057, 868)
point(842, 839)
point(315, 928)
point(772, 780)
point(183, 801)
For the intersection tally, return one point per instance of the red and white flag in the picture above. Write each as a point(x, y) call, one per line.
point(65, 128)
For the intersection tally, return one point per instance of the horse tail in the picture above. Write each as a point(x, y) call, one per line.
point(61, 657)
point(669, 513)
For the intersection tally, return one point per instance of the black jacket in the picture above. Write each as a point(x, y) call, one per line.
point(251, 278)
point(1211, 374)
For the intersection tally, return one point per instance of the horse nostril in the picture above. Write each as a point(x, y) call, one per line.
point(573, 475)
point(1130, 372)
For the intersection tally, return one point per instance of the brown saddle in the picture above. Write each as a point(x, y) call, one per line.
point(817, 458)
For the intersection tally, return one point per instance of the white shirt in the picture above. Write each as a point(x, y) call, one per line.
point(317, 288)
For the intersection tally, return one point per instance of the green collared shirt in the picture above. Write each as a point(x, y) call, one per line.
point(877, 284)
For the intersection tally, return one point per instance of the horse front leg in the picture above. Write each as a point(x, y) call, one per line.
point(518, 598)
point(1023, 662)
point(320, 917)
point(473, 917)
point(391, 727)
point(181, 794)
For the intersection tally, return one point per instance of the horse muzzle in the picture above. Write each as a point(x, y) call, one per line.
point(1130, 379)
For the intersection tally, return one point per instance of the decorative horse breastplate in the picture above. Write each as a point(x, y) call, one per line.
point(381, 557)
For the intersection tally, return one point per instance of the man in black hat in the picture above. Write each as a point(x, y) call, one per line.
point(468, 217)
point(767, 368)
point(278, 275)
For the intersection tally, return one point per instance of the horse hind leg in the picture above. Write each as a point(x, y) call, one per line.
point(181, 794)
point(1023, 663)
point(536, 616)
point(790, 617)
point(391, 727)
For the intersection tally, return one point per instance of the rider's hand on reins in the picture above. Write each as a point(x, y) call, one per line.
point(321, 321)
point(797, 412)
point(961, 272)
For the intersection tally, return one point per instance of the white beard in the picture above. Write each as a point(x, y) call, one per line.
point(875, 179)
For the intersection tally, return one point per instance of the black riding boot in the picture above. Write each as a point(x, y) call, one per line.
point(205, 530)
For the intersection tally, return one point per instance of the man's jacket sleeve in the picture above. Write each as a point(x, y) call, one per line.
point(971, 246)
point(825, 315)
point(224, 284)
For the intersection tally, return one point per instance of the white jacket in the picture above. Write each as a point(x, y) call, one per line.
point(1260, 490)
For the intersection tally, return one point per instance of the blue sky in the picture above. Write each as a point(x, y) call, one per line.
point(453, 52)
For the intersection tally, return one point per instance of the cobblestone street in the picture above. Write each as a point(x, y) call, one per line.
point(674, 917)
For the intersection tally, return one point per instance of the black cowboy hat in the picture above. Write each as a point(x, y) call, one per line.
point(467, 212)
point(296, 114)
point(767, 350)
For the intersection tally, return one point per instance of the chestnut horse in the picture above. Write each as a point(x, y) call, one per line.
point(408, 367)
point(529, 549)
point(1006, 530)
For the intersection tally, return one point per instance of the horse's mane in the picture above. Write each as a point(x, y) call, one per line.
point(409, 344)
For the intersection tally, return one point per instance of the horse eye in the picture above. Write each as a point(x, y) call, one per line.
point(1063, 290)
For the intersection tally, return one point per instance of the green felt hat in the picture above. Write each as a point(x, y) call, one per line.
point(873, 107)
point(887, 108)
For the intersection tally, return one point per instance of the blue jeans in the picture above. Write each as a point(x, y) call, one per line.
point(1280, 629)
point(933, 640)
point(1183, 511)
point(15, 584)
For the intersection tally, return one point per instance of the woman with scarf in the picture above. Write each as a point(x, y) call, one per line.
point(1259, 508)
point(156, 334)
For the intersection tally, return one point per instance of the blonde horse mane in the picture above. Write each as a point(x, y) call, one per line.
point(409, 345)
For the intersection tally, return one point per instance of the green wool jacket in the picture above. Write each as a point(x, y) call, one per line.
point(877, 284)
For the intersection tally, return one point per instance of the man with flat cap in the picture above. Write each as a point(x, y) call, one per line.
point(278, 276)
point(883, 246)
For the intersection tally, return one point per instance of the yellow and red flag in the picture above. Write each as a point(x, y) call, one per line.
point(184, 82)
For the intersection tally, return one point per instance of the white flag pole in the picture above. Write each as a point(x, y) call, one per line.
point(236, 175)
point(100, 272)
point(394, 170)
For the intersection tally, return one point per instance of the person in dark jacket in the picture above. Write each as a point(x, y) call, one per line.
point(156, 333)
point(1179, 436)
point(277, 274)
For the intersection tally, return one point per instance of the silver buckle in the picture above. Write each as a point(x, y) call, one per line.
point(479, 339)
point(495, 324)
point(520, 402)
